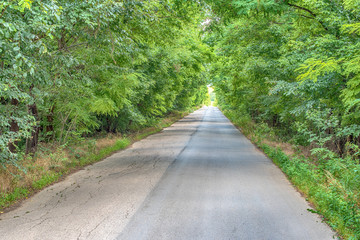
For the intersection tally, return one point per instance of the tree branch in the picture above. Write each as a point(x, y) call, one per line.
point(309, 11)
point(74, 45)
point(307, 16)
point(302, 8)
point(3, 11)
point(280, 23)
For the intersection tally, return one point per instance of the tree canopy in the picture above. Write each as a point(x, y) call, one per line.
point(70, 68)
point(292, 64)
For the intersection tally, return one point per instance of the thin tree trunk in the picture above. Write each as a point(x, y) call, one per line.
point(50, 122)
point(32, 142)
point(14, 127)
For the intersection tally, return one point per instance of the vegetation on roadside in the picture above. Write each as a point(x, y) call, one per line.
point(289, 71)
point(52, 162)
point(330, 182)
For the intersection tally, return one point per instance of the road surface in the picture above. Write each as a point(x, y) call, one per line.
point(198, 179)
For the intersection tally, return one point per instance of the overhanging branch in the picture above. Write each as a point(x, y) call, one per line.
point(310, 12)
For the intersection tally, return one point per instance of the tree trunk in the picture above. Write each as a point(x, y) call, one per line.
point(50, 123)
point(14, 127)
point(32, 142)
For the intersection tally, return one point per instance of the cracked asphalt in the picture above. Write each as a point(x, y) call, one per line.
point(197, 179)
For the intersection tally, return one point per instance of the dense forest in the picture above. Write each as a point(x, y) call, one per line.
point(294, 65)
point(72, 69)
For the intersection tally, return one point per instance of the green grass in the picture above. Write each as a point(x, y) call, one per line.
point(105, 152)
point(7, 198)
point(46, 180)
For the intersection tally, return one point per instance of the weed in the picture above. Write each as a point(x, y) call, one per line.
point(46, 180)
point(7, 198)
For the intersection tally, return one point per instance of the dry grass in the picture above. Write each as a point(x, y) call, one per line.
point(287, 148)
point(109, 140)
point(33, 168)
point(49, 159)
point(5, 181)
point(290, 149)
point(275, 142)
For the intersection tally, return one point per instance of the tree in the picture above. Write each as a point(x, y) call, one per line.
point(73, 68)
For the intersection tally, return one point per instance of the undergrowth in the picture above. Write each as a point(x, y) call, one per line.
point(330, 183)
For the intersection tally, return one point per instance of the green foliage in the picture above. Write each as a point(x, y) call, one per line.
point(313, 69)
point(72, 69)
point(281, 61)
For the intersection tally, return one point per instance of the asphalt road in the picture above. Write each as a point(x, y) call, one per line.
point(198, 179)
